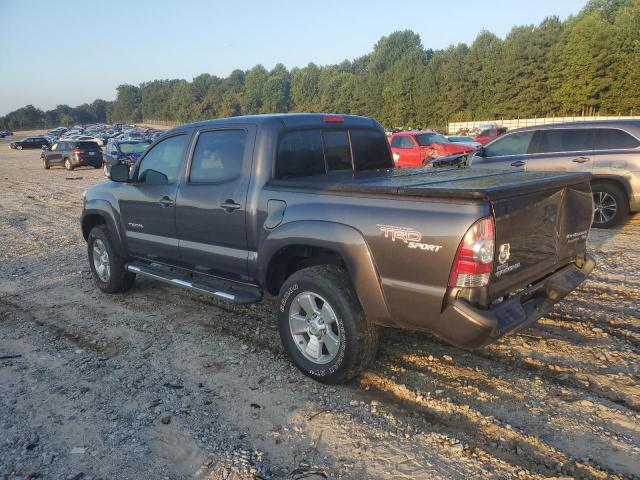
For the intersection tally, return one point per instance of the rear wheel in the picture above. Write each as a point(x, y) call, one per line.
point(609, 203)
point(67, 164)
point(322, 326)
point(107, 267)
point(19, 147)
point(46, 164)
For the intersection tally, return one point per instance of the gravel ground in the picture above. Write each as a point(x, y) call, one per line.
point(164, 383)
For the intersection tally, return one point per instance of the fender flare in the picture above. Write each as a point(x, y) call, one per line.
point(105, 210)
point(342, 239)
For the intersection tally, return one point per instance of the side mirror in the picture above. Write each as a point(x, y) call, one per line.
point(120, 173)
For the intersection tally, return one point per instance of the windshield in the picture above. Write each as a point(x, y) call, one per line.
point(133, 147)
point(425, 139)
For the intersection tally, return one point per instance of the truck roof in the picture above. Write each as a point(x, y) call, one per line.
point(293, 120)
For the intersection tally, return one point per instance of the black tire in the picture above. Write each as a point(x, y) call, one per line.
point(46, 165)
point(606, 193)
point(358, 336)
point(119, 279)
point(67, 164)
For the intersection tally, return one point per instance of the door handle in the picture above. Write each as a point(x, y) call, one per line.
point(229, 205)
point(580, 160)
point(518, 163)
point(165, 202)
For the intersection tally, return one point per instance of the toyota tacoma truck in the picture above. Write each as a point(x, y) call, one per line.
point(308, 208)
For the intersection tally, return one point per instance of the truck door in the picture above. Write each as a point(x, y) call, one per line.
point(212, 202)
point(148, 204)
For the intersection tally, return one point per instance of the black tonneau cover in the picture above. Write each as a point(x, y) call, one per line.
point(465, 183)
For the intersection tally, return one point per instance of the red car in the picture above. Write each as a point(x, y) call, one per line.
point(489, 134)
point(415, 149)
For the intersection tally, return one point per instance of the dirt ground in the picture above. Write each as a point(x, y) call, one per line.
point(164, 383)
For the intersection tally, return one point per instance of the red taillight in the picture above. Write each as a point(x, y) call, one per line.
point(333, 119)
point(78, 150)
point(474, 260)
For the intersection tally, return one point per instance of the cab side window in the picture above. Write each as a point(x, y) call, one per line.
point(564, 140)
point(218, 156)
point(161, 164)
point(513, 144)
point(614, 139)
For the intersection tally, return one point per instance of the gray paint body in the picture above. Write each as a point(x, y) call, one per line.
point(344, 213)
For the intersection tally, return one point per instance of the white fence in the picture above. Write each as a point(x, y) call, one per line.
point(455, 127)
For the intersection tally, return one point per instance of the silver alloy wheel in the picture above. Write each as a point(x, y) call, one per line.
point(314, 328)
point(101, 260)
point(67, 164)
point(105, 169)
point(605, 207)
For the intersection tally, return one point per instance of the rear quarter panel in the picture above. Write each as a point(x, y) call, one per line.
point(411, 243)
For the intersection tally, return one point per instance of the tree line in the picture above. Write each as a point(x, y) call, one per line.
point(587, 64)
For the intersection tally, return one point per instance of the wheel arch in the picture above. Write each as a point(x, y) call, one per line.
point(92, 217)
point(302, 244)
point(616, 181)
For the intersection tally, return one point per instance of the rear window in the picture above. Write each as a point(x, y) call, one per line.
point(336, 150)
point(370, 150)
point(86, 145)
point(564, 140)
point(614, 139)
point(302, 153)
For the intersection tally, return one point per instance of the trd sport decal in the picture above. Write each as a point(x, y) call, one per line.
point(412, 238)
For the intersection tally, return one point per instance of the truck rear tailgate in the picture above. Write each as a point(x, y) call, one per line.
point(539, 232)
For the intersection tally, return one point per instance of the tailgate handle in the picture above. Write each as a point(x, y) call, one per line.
point(519, 163)
point(580, 159)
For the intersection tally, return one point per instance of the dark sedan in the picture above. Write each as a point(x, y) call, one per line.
point(72, 154)
point(123, 151)
point(29, 142)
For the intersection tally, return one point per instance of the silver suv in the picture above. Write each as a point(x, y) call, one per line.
point(609, 150)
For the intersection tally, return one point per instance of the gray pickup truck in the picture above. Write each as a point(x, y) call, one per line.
point(309, 208)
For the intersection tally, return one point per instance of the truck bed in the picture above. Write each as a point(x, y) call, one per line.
point(452, 183)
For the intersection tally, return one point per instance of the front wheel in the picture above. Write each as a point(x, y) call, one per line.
point(46, 165)
point(610, 205)
point(19, 147)
point(107, 267)
point(322, 326)
point(67, 164)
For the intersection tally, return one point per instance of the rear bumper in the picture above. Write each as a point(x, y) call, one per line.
point(94, 161)
point(470, 327)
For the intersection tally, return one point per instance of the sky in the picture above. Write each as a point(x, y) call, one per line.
point(74, 51)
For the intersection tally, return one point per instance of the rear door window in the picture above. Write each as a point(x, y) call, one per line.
point(614, 139)
point(513, 144)
point(396, 142)
point(336, 150)
point(218, 156)
point(300, 154)
point(370, 150)
point(564, 140)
